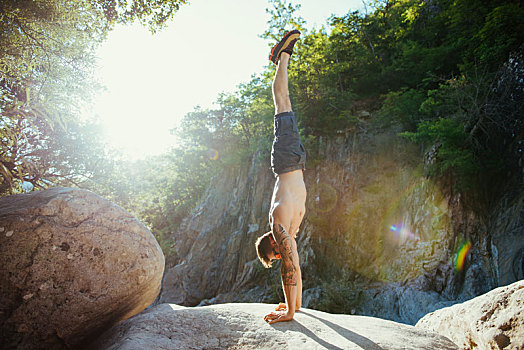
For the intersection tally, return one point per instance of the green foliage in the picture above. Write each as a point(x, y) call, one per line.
point(399, 49)
point(452, 152)
point(282, 19)
point(325, 108)
point(434, 63)
point(403, 107)
point(485, 31)
point(236, 130)
point(474, 128)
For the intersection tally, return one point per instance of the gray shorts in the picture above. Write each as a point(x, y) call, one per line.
point(288, 153)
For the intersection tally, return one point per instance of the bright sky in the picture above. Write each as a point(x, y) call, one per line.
point(211, 46)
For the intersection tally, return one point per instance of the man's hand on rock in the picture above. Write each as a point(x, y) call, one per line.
point(281, 307)
point(280, 316)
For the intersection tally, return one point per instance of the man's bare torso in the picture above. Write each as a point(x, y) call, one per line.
point(288, 204)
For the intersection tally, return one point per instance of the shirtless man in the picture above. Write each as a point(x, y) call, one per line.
point(288, 203)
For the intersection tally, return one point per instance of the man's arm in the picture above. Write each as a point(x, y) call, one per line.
point(289, 272)
point(299, 286)
point(283, 306)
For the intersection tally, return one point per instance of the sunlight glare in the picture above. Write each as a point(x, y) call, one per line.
point(153, 81)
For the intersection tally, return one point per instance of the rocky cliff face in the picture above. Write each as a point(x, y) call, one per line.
point(375, 229)
point(216, 243)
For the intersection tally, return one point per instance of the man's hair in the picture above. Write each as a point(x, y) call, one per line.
point(263, 246)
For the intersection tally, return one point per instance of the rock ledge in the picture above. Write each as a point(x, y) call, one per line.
point(241, 326)
point(494, 320)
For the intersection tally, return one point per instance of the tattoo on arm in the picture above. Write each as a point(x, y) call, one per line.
point(288, 271)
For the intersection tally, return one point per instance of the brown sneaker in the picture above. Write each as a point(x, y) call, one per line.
point(285, 45)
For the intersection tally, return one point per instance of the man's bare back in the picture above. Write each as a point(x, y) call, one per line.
point(288, 204)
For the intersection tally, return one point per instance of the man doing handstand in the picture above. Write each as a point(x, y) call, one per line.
point(288, 203)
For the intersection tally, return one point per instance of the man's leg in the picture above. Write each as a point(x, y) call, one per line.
point(288, 153)
point(280, 86)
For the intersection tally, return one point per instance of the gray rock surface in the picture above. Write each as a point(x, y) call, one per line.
point(241, 326)
point(494, 320)
point(406, 304)
point(216, 242)
point(73, 264)
point(507, 244)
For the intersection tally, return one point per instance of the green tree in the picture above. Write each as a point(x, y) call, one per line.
point(282, 19)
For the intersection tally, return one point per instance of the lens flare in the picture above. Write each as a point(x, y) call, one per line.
point(212, 154)
point(461, 256)
point(323, 197)
point(412, 225)
point(401, 233)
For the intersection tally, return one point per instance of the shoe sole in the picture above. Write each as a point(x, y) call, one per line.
point(277, 50)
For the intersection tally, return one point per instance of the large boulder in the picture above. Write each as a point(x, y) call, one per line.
point(73, 264)
point(494, 320)
point(241, 326)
